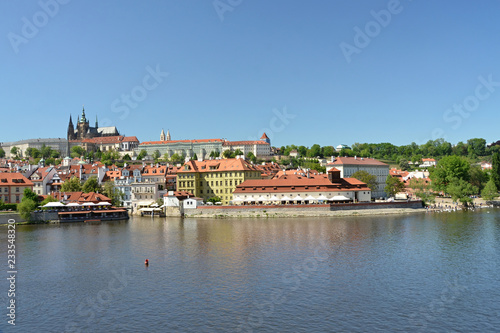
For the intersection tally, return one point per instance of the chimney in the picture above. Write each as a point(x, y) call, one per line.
point(308, 176)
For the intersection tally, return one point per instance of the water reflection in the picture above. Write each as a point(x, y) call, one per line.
point(211, 275)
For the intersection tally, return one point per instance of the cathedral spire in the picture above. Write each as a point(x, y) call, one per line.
point(168, 135)
point(162, 135)
point(83, 119)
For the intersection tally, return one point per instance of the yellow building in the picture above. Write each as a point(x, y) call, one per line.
point(215, 178)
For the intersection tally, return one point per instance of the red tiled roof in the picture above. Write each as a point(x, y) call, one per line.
point(264, 136)
point(179, 141)
point(230, 164)
point(81, 197)
point(14, 179)
point(243, 143)
point(317, 183)
point(130, 139)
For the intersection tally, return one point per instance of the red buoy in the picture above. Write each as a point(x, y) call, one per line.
point(146, 262)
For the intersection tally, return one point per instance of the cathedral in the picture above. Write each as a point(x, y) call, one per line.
point(83, 130)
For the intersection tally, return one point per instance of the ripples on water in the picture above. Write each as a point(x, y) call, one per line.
point(413, 273)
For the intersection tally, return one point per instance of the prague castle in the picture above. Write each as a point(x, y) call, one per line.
point(83, 130)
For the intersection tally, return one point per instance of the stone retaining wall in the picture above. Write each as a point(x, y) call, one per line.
point(305, 210)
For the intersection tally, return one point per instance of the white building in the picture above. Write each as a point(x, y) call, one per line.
point(349, 165)
point(427, 163)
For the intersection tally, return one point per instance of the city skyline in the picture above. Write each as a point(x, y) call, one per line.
point(304, 73)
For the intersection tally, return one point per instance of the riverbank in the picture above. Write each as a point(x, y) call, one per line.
point(302, 213)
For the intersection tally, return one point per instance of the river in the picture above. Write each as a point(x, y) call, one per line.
point(434, 272)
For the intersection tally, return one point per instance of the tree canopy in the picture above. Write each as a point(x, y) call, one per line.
point(367, 178)
point(91, 185)
point(393, 186)
point(71, 185)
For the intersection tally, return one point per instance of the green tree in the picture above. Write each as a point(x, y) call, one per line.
point(328, 151)
point(403, 164)
point(448, 169)
point(393, 186)
point(251, 157)
point(228, 154)
point(2, 153)
point(143, 153)
point(156, 155)
point(176, 158)
point(495, 170)
point(47, 200)
point(476, 147)
point(77, 151)
point(55, 154)
point(238, 152)
point(367, 178)
point(214, 199)
point(29, 194)
point(478, 177)
point(71, 185)
point(302, 150)
point(460, 149)
point(14, 151)
point(422, 190)
point(113, 193)
point(490, 191)
point(127, 157)
point(45, 151)
point(315, 151)
point(195, 157)
point(91, 185)
point(26, 207)
point(461, 190)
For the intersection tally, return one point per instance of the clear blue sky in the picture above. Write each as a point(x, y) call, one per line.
point(227, 78)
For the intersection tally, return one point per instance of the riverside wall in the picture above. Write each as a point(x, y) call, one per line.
point(306, 210)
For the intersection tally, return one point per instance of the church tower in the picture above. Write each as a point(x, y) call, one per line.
point(162, 135)
point(83, 126)
point(168, 135)
point(71, 130)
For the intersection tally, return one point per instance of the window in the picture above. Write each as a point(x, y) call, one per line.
point(17, 189)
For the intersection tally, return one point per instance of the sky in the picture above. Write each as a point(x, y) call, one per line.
point(305, 72)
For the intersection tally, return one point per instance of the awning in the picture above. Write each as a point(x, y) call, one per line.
point(310, 198)
point(54, 204)
point(340, 198)
point(285, 198)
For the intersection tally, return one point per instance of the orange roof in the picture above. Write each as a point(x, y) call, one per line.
point(81, 197)
point(264, 136)
point(243, 143)
point(316, 183)
point(14, 179)
point(130, 139)
point(180, 141)
point(154, 171)
point(230, 164)
point(428, 160)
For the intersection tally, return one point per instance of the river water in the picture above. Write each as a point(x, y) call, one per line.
point(435, 272)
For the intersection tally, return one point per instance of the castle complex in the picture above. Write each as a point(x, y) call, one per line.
point(83, 130)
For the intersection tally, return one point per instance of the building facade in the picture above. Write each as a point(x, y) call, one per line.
point(215, 178)
point(302, 188)
point(349, 165)
point(12, 186)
